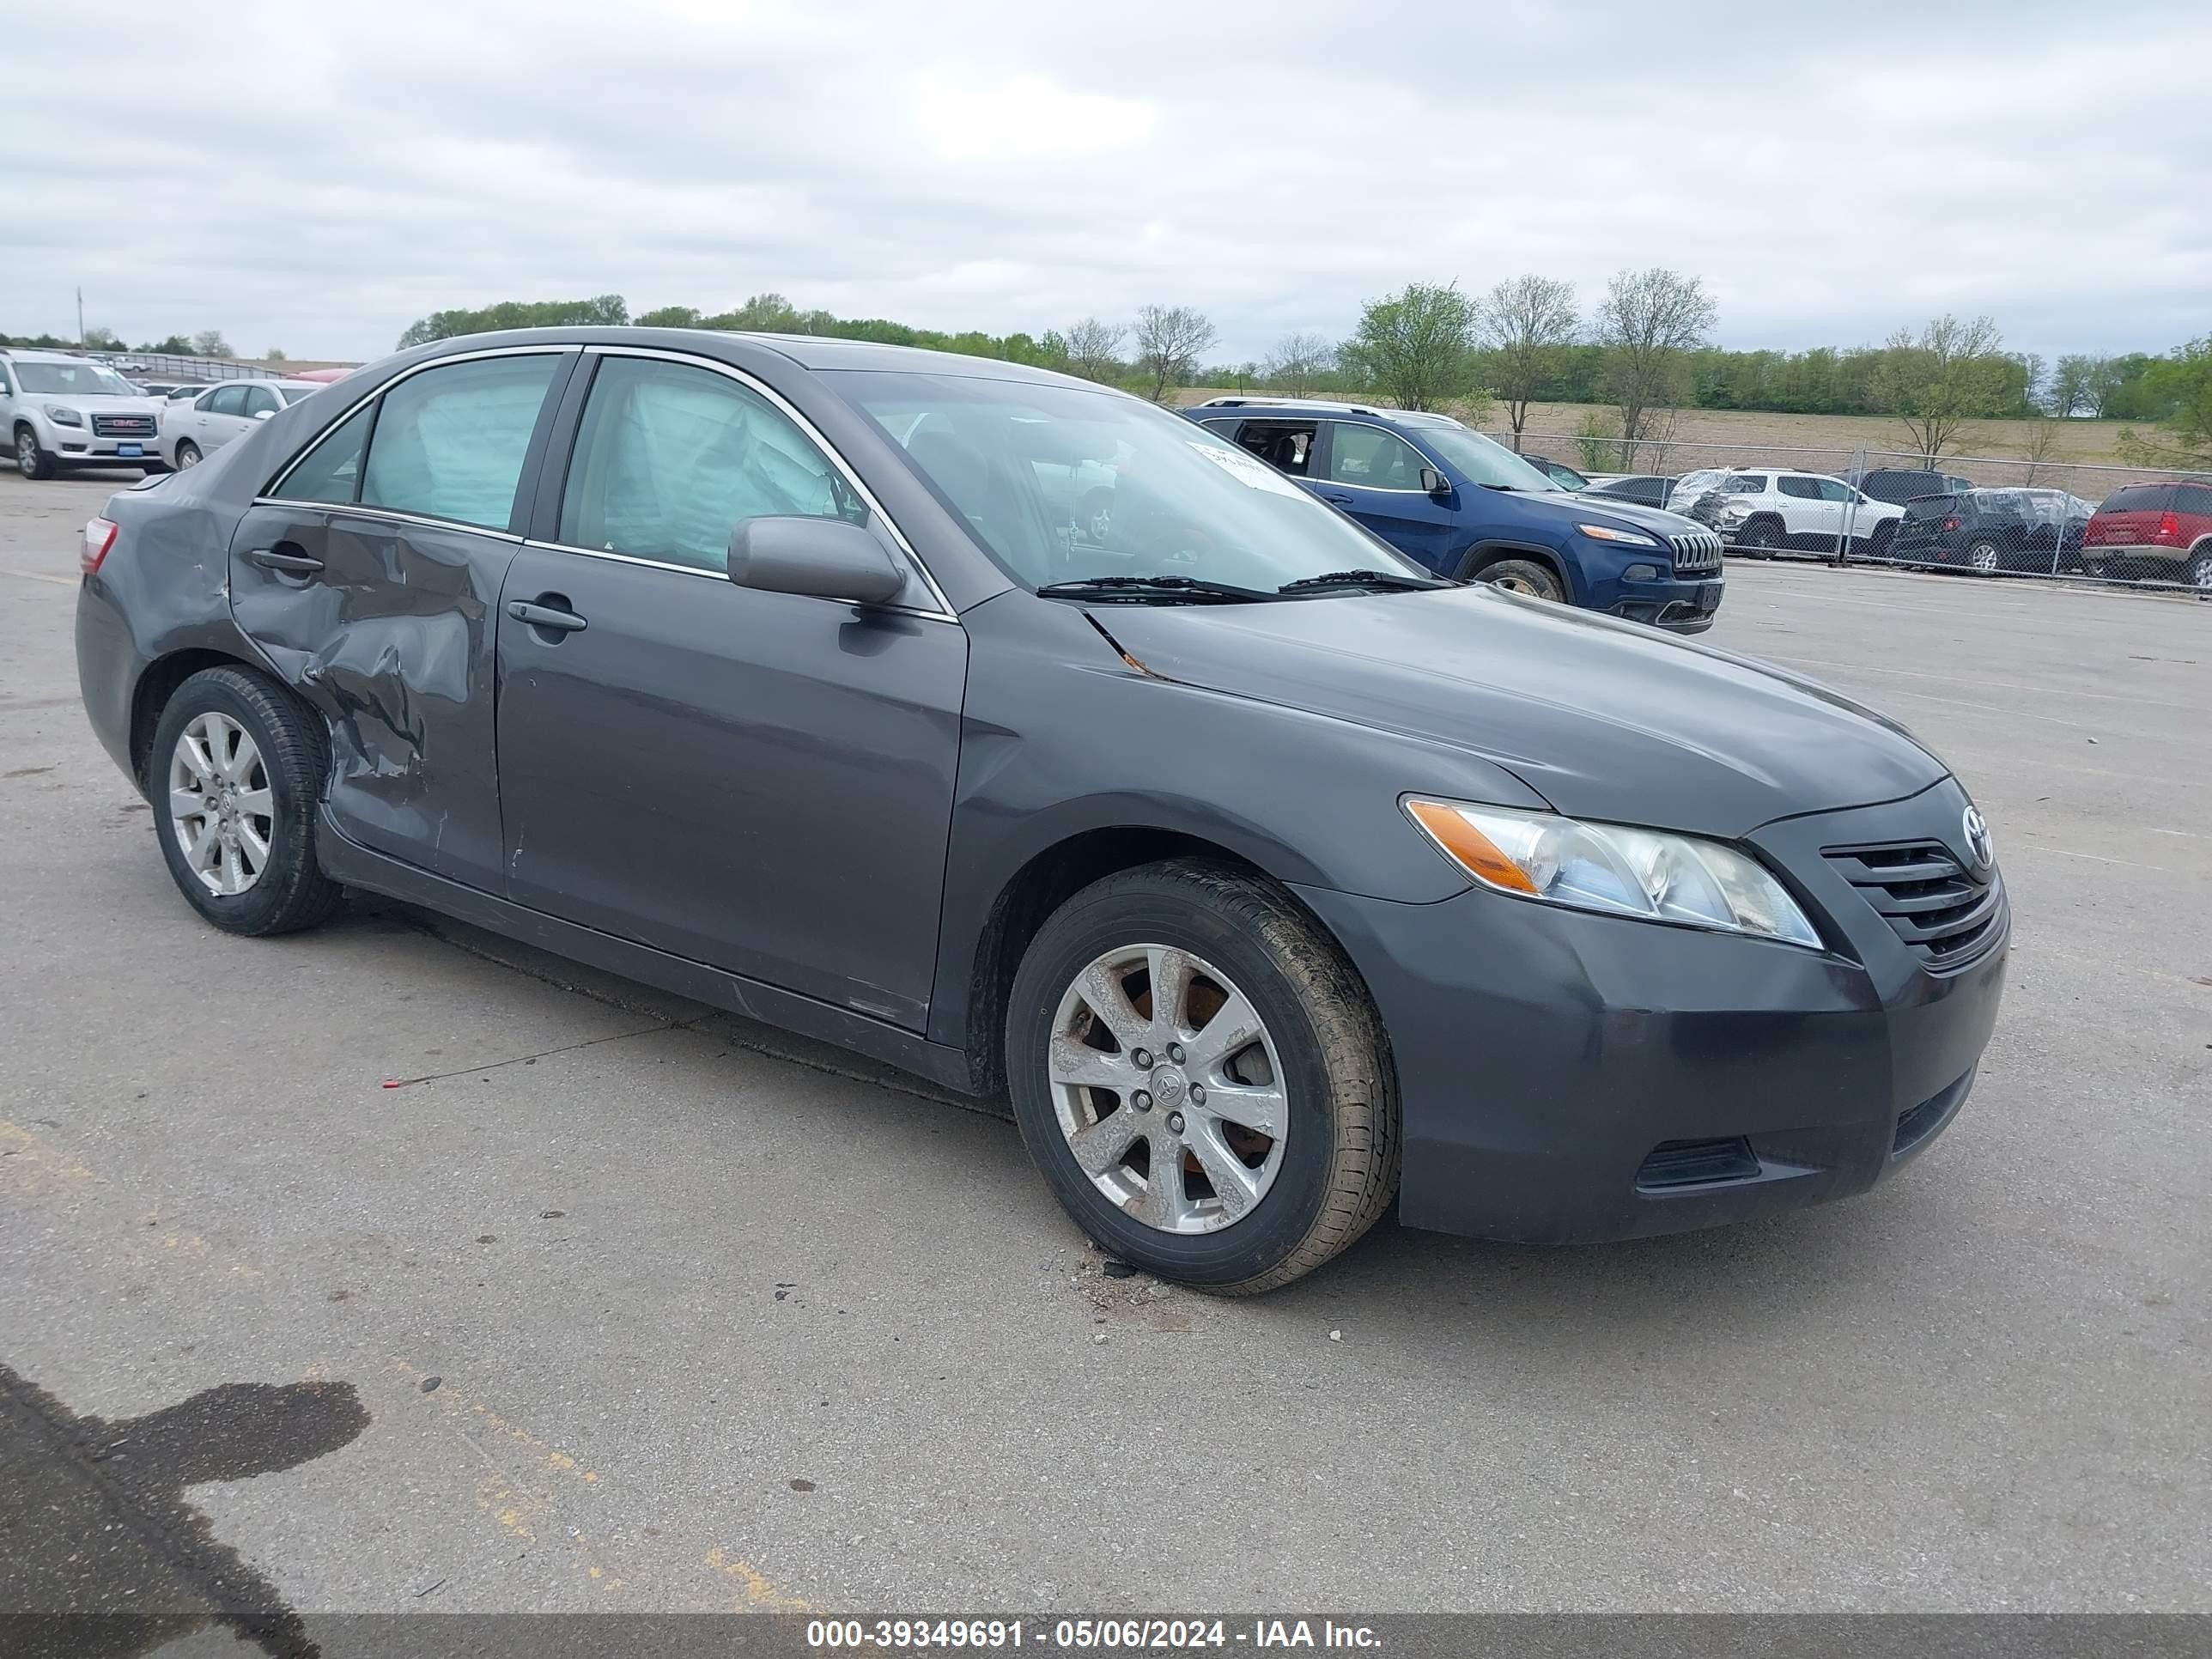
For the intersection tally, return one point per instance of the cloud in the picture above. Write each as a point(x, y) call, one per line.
point(317, 178)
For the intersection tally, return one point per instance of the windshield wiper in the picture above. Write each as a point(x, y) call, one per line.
point(1135, 590)
point(1388, 581)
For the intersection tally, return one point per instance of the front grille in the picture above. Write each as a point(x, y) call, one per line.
point(1948, 914)
point(1696, 551)
point(123, 426)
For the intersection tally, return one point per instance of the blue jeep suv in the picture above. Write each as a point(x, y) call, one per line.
point(1469, 507)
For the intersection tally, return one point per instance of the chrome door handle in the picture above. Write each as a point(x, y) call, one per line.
point(544, 616)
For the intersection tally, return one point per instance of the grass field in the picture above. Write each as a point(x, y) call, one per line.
point(1747, 437)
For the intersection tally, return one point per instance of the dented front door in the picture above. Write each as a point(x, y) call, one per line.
point(388, 625)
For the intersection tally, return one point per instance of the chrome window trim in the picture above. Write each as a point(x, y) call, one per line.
point(813, 434)
point(269, 490)
point(350, 509)
point(721, 576)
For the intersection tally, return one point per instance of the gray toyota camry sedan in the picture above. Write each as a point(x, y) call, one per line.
point(1020, 734)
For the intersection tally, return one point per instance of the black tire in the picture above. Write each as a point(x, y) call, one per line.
point(31, 461)
point(2197, 573)
point(187, 446)
point(291, 891)
point(1340, 1152)
point(1523, 576)
point(1759, 538)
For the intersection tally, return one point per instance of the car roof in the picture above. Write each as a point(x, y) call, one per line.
point(37, 355)
point(812, 351)
point(1261, 406)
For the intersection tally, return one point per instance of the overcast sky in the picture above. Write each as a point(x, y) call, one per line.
point(315, 178)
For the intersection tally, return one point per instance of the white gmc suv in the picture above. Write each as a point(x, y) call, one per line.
point(1760, 511)
point(57, 410)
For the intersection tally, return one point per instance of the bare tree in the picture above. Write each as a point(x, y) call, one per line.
point(1951, 373)
point(1417, 346)
point(1646, 322)
point(2042, 438)
point(1526, 324)
point(1298, 362)
point(210, 343)
point(1170, 340)
point(1094, 349)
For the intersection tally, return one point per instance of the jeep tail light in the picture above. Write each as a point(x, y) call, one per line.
point(1953, 522)
point(99, 537)
point(2169, 528)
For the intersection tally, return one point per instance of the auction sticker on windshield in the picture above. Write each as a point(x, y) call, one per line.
point(1248, 469)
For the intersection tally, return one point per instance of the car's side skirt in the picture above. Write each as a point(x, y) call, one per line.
point(352, 865)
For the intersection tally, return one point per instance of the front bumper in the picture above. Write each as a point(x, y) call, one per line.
point(1679, 605)
point(81, 447)
point(1568, 1076)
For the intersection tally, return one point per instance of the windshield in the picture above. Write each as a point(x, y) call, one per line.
point(74, 379)
point(1486, 462)
point(1061, 484)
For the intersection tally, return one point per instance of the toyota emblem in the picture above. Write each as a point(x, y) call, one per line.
point(1978, 840)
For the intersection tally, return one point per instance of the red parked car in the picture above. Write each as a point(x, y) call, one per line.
point(2154, 531)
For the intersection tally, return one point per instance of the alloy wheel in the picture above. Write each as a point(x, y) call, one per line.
point(188, 455)
point(220, 807)
point(27, 451)
point(1983, 555)
point(1167, 1085)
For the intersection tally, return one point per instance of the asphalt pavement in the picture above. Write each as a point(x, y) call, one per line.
point(616, 1303)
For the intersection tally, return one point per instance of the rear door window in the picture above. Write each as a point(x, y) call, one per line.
point(260, 399)
point(671, 458)
point(1803, 489)
point(1287, 445)
point(450, 441)
point(2194, 499)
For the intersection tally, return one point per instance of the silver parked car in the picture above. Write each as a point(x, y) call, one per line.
point(190, 431)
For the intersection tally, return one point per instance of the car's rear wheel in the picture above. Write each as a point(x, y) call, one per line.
point(1202, 1077)
point(188, 454)
point(1759, 538)
point(236, 769)
point(1983, 558)
point(1523, 576)
point(2198, 573)
point(30, 460)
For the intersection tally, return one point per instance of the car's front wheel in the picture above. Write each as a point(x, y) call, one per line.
point(1523, 576)
point(2199, 571)
point(30, 460)
point(1202, 1077)
point(236, 769)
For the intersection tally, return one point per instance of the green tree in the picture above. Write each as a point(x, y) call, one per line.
point(210, 343)
point(670, 317)
point(1526, 325)
point(1170, 340)
point(273, 356)
point(2073, 384)
point(1416, 347)
point(1951, 373)
point(1648, 323)
point(2179, 385)
point(603, 310)
point(175, 346)
point(102, 339)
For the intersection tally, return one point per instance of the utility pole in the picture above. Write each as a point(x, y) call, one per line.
point(80, 314)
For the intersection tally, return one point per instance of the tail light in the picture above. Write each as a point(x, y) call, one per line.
point(99, 537)
point(1953, 522)
point(2169, 528)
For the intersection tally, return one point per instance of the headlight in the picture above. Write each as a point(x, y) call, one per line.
point(1605, 532)
point(62, 415)
point(1612, 868)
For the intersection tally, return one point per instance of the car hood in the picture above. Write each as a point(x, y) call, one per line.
point(1572, 504)
point(97, 405)
point(1604, 718)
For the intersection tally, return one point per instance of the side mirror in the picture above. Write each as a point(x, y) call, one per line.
point(820, 558)
point(263, 414)
point(1433, 481)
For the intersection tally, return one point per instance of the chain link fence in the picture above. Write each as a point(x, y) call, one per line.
point(1983, 515)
